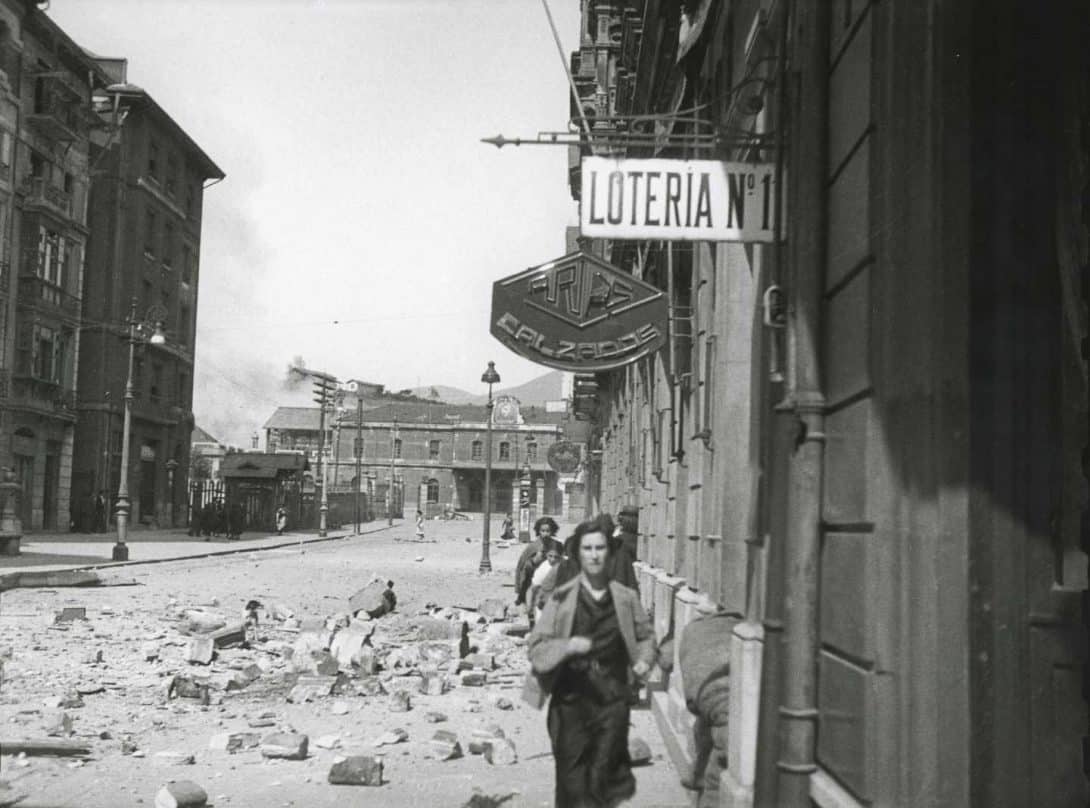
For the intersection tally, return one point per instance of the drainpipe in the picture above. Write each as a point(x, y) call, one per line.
point(798, 709)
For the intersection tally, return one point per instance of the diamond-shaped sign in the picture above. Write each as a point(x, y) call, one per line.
point(578, 313)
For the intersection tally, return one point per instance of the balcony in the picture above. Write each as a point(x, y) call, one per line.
point(57, 110)
point(41, 193)
point(41, 396)
point(40, 295)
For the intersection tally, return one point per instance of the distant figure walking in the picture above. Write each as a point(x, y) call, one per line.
point(281, 520)
point(507, 529)
point(100, 512)
point(419, 525)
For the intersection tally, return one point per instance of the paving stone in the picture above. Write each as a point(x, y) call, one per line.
point(356, 770)
point(291, 746)
point(232, 742)
point(309, 687)
point(474, 679)
point(434, 717)
point(331, 741)
point(493, 609)
point(391, 737)
point(444, 745)
point(481, 738)
point(501, 752)
point(171, 757)
point(181, 794)
point(184, 687)
point(70, 613)
point(638, 750)
point(199, 650)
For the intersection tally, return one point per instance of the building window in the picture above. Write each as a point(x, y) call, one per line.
point(183, 390)
point(476, 450)
point(397, 447)
point(531, 452)
point(187, 264)
point(156, 383)
point(433, 450)
point(183, 326)
point(137, 377)
point(5, 148)
point(69, 183)
point(52, 257)
point(147, 294)
point(433, 490)
point(153, 160)
point(151, 231)
point(505, 450)
point(168, 244)
point(37, 165)
point(709, 385)
point(171, 183)
point(190, 200)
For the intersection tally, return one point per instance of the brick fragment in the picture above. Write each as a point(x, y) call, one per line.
point(286, 745)
point(444, 745)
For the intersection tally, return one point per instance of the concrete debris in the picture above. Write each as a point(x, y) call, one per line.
point(351, 647)
point(331, 741)
point(70, 613)
point(266, 719)
point(290, 746)
point(170, 757)
point(433, 717)
point(503, 703)
point(183, 687)
point(375, 599)
point(232, 742)
point(181, 794)
point(339, 708)
point(444, 745)
point(435, 684)
point(481, 738)
point(357, 770)
point(199, 621)
point(493, 609)
point(45, 747)
point(391, 737)
point(279, 612)
point(400, 702)
point(57, 723)
point(71, 700)
point(241, 678)
point(474, 679)
point(200, 651)
point(638, 751)
point(501, 752)
point(149, 651)
point(368, 686)
point(230, 635)
point(479, 800)
point(484, 662)
point(309, 687)
point(413, 683)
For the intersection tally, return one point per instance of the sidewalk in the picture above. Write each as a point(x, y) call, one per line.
point(49, 552)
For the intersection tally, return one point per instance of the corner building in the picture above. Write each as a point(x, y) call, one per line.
point(881, 479)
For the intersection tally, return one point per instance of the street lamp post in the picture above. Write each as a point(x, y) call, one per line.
point(390, 487)
point(489, 377)
point(121, 550)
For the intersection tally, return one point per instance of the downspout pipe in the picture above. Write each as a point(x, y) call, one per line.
point(798, 704)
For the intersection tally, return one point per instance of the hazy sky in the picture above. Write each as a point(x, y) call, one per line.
point(357, 189)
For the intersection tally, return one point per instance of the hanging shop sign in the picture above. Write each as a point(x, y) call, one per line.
point(578, 313)
point(677, 200)
point(564, 456)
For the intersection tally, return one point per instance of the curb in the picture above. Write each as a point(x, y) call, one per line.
point(210, 554)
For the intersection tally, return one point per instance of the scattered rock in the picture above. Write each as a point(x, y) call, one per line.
point(444, 745)
point(501, 752)
point(435, 684)
point(240, 679)
point(93, 657)
point(493, 609)
point(485, 662)
point(356, 770)
point(481, 738)
point(181, 794)
point(410, 684)
point(171, 757)
point(328, 741)
point(638, 751)
point(400, 702)
point(504, 703)
point(339, 708)
point(70, 613)
point(232, 742)
point(434, 717)
point(202, 622)
point(474, 679)
point(200, 650)
point(311, 687)
point(183, 687)
point(368, 686)
point(375, 599)
point(290, 746)
point(71, 700)
point(419, 558)
point(391, 737)
point(57, 723)
point(266, 719)
point(351, 648)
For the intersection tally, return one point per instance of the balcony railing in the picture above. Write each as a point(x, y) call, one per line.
point(39, 293)
point(42, 193)
point(57, 108)
point(42, 395)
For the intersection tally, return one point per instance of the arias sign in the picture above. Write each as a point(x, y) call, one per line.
point(682, 200)
point(578, 313)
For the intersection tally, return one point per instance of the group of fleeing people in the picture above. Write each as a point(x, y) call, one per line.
point(591, 649)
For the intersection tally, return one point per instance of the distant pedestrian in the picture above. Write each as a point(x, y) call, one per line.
point(592, 642)
point(234, 521)
point(553, 551)
point(419, 525)
point(208, 520)
point(507, 529)
point(281, 520)
point(100, 511)
point(532, 555)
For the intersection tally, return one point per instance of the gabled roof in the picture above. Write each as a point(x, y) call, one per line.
point(261, 464)
point(200, 436)
point(304, 418)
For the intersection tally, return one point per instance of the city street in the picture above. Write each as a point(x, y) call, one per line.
point(118, 664)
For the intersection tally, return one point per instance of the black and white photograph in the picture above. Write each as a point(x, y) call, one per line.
point(544, 403)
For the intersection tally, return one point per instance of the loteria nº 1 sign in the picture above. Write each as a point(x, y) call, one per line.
point(578, 313)
point(677, 200)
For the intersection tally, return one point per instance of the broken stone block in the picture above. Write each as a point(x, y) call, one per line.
point(504, 703)
point(316, 662)
point(474, 679)
point(444, 745)
point(202, 622)
point(290, 746)
point(91, 657)
point(391, 737)
point(410, 684)
point(434, 628)
point(400, 702)
point(57, 723)
point(335, 622)
point(493, 609)
point(501, 752)
point(266, 719)
point(70, 613)
point(183, 687)
point(171, 757)
point(199, 651)
point(435, 684)
point(375, 599)
point(434, 717)
point(356, 770)
point(481, 738)
point(181, 794)
point(437, 653)
point(349, 647)
point(230, 635)
point(405, 657)
point(149, 651)
point(339, 708)
point(71, 700)
point(484, 662)
point(369, 686)
point(232, 742)
point(311, 687)
point(638, 751)
point(328, 741)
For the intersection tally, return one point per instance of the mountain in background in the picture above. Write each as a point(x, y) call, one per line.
point(533, 393)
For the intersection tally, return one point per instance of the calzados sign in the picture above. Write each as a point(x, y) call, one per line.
point(578, 313)
point(688, 200)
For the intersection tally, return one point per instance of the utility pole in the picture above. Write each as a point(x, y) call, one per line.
point(324, 385)
point(390, 488)
point(357, 447)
